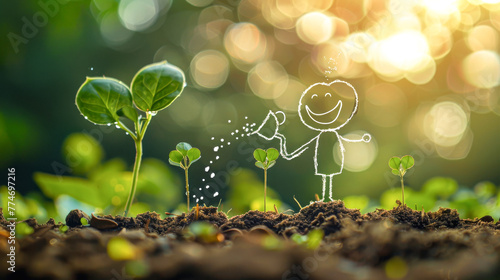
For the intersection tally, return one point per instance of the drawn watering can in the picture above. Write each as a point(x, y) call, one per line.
point(269, 127)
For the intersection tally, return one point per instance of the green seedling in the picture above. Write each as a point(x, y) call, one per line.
point(106, 101)
point(84, 221)
point(265, 160)
point(311, 240)
point(183, 156)
point(399, 167)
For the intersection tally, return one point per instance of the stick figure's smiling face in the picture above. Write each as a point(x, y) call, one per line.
point(322, 108)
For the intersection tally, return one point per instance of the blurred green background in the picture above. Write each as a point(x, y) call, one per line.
point(427, 74)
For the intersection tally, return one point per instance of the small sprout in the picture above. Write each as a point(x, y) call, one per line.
point(311, 240)
point(63, 228)
point(23, 229)
point(205, 232)
point(183, 156)
point(120, 249)
point(272, 242)
point(265, 160)
point(399, 167)
point(84, 221)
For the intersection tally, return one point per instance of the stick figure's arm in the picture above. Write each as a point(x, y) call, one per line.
point(366, 138)
point(285, 154)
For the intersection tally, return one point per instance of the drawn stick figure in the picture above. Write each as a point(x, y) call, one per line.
point(319, 109)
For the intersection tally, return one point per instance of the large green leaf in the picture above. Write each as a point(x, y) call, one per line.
point(129, 112)
point(80, 189)
point(99, 99)
point(157, 85)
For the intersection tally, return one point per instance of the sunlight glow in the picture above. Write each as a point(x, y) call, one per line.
point(405, 50)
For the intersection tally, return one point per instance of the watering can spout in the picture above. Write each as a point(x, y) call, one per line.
point(269, 127)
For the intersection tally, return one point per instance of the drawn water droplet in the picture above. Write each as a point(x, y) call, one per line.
point(216, 194)
point(252, 125)
point(243, 134)
point(212, 138)
point(246, 118)
point(117, 126)
point(203, 180)
point(228, 121)
point(212, 175)
point(207, 168)
point(247, 124)
point(185, 84)
point(200, 190)
point(207, 186)
point(109, 124)
point(232, 133)
point(126, 133)
point(197, 200)
point(217, 157)
point(228, 143)
point(221, 146)
point(86, 117)
point(237, 138)
point(194, 196)
point(91, 68)
point(216, 148)
point(236, 131)
point(153, 113)
point(222, 139)
point(211, 161)
point(201, 198)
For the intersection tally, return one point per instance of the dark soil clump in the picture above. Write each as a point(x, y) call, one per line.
point(415, 244)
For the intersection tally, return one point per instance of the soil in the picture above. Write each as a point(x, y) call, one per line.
point(385, 244)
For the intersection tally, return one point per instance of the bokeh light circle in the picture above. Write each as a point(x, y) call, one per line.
point(445, 123)
point(314, 28)
point(245, 43)
point(210, 69)
point(482, 69)
point(357, 156)
point(138, 15)
point(268, 80)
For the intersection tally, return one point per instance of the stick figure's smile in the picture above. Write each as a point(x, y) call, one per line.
point(332, 114)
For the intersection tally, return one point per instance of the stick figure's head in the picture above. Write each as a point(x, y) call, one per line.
point(328, 106)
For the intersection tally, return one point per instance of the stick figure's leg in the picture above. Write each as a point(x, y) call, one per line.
point(324, 187)
point(331, 186)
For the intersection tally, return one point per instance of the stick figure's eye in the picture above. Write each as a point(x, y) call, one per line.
point(314, 95)
point(328, 94)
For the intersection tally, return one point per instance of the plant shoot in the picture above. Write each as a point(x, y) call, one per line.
point(265, 160)
point(183, 156)
point(399, 167)
point(106, 101)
